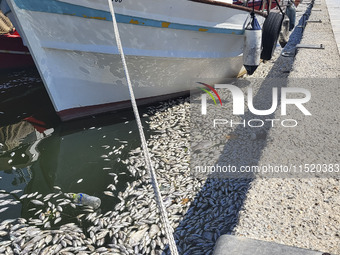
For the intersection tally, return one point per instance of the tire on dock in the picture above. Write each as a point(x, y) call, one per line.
point(270, 34)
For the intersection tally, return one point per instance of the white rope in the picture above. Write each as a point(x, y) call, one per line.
point(159, 201)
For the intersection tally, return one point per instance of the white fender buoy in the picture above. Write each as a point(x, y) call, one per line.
point(252, 45)
point(291, 13)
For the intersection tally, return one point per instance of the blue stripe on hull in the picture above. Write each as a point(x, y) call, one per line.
point(53, 6)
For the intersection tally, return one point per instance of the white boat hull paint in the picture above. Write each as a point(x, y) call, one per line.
point(79, 63)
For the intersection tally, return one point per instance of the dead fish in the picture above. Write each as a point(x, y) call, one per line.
point(57, 220)
point(3, 209)
point(3, 233)
point(23, 196)
point(47, 197)
point(5, 202)
point(64, 203)
point(38, 212)
point(109, 193)
point(56, 195)
point(37, 202)
point(16, 191)
point(47, 225)
point(57, 187)
point(4, 195)
point(80, 180)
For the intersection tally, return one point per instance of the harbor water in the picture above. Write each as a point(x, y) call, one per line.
point(39, 152)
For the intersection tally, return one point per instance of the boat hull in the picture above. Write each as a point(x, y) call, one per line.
point(167, 49)
point(13, 54)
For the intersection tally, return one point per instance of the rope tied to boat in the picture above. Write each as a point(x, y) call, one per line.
point(159, 200)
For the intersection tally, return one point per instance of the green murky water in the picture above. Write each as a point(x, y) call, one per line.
point(38, 151)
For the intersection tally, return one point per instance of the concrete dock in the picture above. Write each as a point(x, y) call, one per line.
point(334, 15)
point(282, 213)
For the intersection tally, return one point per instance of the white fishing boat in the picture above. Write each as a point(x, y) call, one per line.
point(169, 45)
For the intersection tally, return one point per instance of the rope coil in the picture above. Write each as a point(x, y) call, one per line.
point(159, 201)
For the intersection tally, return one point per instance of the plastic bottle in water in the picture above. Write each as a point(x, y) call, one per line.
point(84, 199)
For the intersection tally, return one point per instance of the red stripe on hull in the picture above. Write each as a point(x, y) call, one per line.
point(81, 112)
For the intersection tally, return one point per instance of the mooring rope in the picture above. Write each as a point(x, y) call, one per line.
point(159, 201)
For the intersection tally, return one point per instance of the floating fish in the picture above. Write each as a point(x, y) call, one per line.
point(4, 195)
point(37, 202)
point(3, 209)
point(16, 191)
point(80, 180)
point(109, 193)
point(5, 202)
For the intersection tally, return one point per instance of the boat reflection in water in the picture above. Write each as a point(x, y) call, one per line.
point(18, 145)
point(77, 157)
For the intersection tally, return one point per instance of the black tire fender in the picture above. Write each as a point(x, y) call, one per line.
point(270, 34)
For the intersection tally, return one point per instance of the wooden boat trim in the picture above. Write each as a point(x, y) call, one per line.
point(233, 6)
